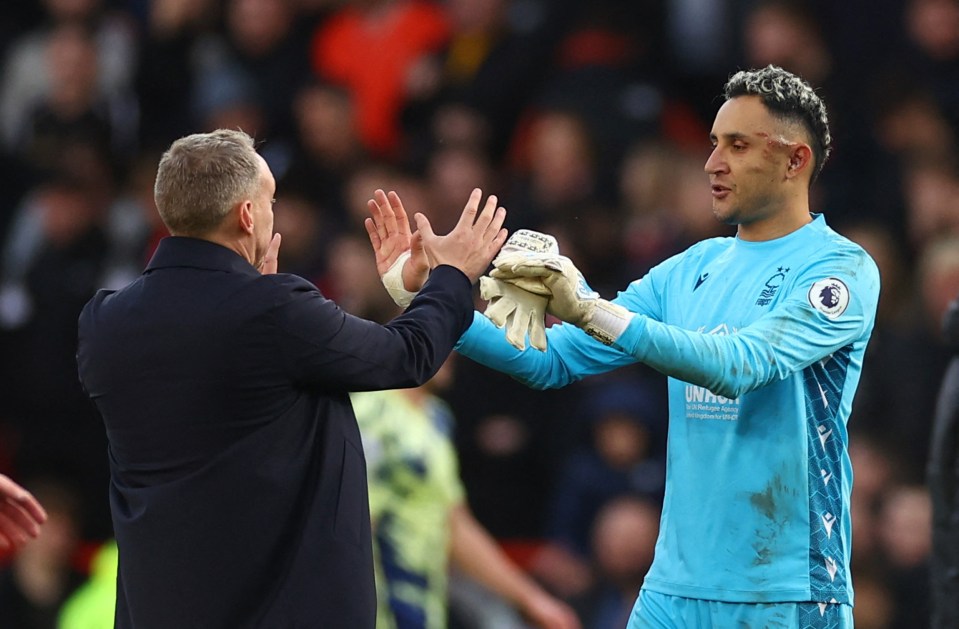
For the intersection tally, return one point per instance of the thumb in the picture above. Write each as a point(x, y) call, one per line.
point(424, 227)
point(418, 253)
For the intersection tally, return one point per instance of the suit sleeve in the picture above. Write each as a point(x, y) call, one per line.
point(832, 304)
point(321, 345)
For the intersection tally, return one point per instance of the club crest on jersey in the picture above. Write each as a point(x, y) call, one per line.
point(829, 296)
point(772, 286)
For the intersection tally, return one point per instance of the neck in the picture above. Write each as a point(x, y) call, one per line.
point(794, 215)
point(242, 244)
point(773, 228)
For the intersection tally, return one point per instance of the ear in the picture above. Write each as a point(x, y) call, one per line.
point(245, 217)
point(800, 161)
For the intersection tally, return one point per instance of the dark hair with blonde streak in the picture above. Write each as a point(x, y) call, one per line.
point(201, 177)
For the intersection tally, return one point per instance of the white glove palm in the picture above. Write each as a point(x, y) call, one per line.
point(520, 306)
point(520, 311)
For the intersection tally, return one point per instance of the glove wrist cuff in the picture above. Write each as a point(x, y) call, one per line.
point(607, 322)
point(393, 281)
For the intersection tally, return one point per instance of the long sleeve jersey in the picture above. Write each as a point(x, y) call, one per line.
point(763, 345)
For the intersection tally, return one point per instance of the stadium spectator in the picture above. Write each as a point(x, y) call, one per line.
point(623, 540)
point(378, 77)
point(27, 77)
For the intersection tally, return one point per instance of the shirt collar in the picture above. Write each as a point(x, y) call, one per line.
point(182, 251)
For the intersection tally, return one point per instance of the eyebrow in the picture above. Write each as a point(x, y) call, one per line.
point(733, 136)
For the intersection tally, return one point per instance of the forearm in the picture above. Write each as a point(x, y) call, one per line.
point(741, 361)
point(570, 355)
point(477, 554)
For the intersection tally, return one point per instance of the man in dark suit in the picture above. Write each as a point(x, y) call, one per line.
point(238, 485)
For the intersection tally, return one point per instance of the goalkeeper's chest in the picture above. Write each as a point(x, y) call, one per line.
point(722, 300)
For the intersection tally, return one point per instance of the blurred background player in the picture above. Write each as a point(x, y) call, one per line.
point(421, 521)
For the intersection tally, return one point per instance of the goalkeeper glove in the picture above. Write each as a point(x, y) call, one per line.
point(571, 299)
point(521, 305)
point(520, 311)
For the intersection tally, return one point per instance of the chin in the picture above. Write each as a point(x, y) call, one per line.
point(725, 216)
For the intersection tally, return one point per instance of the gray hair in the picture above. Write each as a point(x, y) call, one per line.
point(789, 98)
point(201, 177)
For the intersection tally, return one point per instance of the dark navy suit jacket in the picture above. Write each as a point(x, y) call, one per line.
point(238, 483)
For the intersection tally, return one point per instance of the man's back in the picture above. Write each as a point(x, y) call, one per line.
point(238, 482)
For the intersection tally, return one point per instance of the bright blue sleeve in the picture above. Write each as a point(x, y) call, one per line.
point(571, 354)
point(783, 341)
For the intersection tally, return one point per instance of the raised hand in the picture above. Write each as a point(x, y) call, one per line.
point(473, 242)
point(270, 260)
point(389, 230)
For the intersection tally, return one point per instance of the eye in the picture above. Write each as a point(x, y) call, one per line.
point(739, 146)
point(273, 201)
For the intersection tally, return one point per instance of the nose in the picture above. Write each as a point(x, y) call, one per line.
point(715, 163)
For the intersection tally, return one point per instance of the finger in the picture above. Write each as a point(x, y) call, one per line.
point(11, 532)
point(382, 212)
point(400, 218)
point(424, 227)
point(495, 223)
point(489, 288)
point(516, 326)
point(469, 212)
point(375, 222)
point(537, 333)
point(21, 496)
point(371, 231)
point(418, 258)
point(526, 268)
point(18, 517)
point(390, 202)
point(500, 238)
point(271, 257)
point(485, 218)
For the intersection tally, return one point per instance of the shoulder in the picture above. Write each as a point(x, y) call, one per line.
point(694, 257)
point(284, 287)
point(704, 250)
point(842, 254)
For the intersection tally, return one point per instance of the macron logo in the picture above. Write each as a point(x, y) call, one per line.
point(702, 278)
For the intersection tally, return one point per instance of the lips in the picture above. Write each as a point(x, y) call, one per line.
point(719, 191)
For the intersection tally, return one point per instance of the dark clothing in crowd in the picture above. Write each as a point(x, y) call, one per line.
point(944, 487)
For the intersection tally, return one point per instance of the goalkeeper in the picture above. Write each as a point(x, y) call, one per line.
point(762, 337)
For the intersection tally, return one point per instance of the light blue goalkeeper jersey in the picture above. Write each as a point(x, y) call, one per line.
point(763, 344)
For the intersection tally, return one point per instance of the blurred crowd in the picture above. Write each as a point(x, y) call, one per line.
point(589, 120)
